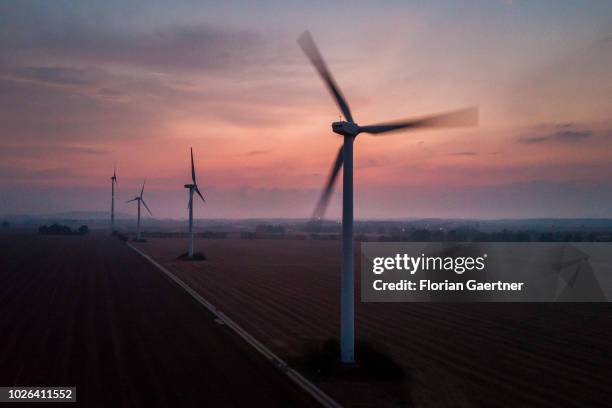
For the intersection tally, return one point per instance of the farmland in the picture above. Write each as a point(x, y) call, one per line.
point(89, 312)
point(286, 293)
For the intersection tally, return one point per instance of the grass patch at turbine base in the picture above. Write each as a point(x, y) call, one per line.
point(371, 362)
point(197, 256)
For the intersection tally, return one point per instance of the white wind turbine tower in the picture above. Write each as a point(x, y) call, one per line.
point(193, 187)
point(349, 130)
point(113, 183)
point(139, 199)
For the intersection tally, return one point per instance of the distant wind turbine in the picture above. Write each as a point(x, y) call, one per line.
point(193, 187)
point(349, 130)
point(139, 199)
point(113, 183)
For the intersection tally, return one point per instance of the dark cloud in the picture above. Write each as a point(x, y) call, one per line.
point(572, 135)
point(563, 132)
point(606, 39)
point(87, 73)
point(44, 150)
point(464, 154)
point(25, 174)
point(258, 152)
point(109, 92)
point(371, 163)
point(201, 48)
point(85, 150)
point(69, 115)
point(533, 139)
point(54, 173)
point(55, 75)
point(562, 126)
point(240, 114)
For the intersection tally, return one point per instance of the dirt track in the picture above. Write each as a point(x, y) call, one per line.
point(286, 294)
point(90, 312)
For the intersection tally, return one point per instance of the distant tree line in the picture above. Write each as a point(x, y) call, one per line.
point(270, 229)
point(57, 229)
point(474, 235)
point(205, 234)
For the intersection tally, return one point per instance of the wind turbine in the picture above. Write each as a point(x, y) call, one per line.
point(113, 183)
point(349, 130)
point(192, 187)
point(139, 199)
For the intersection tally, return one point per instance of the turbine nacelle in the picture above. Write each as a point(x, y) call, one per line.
point(189, 185)
point(345, 128)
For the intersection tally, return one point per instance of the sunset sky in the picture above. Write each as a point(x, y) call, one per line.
point(84, 85)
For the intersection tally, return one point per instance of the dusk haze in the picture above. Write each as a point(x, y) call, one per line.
point(88, 84)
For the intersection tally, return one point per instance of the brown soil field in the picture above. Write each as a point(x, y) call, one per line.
point(90, 312)
point(286, 293)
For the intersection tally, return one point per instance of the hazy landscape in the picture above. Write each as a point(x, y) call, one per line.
point(90, 312)
point(293, 203)
point(284, 292)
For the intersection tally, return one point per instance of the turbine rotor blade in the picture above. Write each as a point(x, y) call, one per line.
point(462, 117)
point(143, 184)
point(133, 199)
point(193, 175)
point(321, 207)
point(145, 205)
point(197, 190)
point(312, 52)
